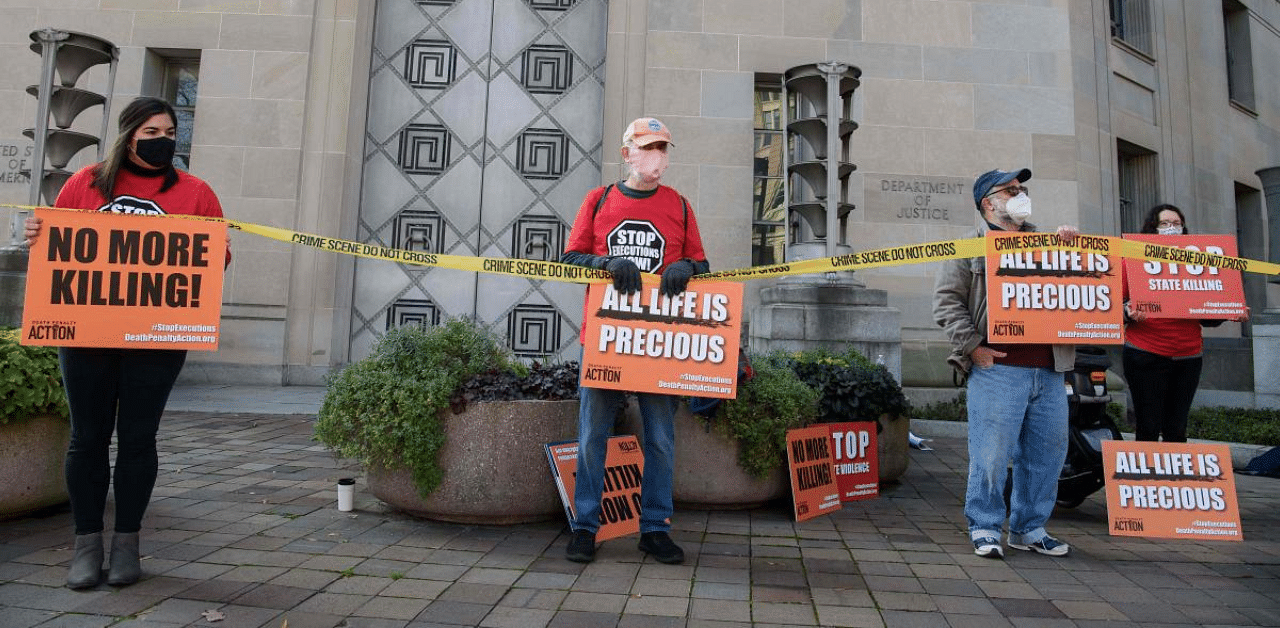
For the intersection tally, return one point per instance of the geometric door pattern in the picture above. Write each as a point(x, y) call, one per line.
point(482, 137)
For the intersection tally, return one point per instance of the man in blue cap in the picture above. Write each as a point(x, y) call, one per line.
point(1016, 400)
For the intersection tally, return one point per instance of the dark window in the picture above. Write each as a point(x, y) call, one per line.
point(1131, 23)
point(768, 200)
point(174, 75)
point(1138, 187)
point(1235, 18)
point(1251, 238)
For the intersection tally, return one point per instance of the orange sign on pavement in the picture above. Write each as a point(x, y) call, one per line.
point(813, 478)
point(623, 471)
point(1171, 490)
point(1052, 295)
point(646, 342)
point(1173, 290)
point(97, 279)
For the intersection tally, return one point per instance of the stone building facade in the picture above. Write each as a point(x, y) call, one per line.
point(473, 127)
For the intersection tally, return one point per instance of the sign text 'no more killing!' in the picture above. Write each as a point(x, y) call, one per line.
point(811, 465)
point(1052, 295)
point(97, 279)
point(1168, 289)
point(648, 342)
point(1171, 490)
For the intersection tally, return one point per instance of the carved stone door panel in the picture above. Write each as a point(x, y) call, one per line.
point(483, 134)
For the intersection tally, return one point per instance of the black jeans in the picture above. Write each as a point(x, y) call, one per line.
point(1162, 390)
point(121, 391)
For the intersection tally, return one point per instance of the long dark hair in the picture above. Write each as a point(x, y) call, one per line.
point(1153, 218)
point(131, 119)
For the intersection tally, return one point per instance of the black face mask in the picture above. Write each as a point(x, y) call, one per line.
point(157, 151)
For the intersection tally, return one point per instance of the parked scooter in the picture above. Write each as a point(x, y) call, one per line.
point(1089, 426)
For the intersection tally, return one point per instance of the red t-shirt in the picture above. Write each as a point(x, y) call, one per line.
point(1168, 337)
point(135, 194)
point(652, 232)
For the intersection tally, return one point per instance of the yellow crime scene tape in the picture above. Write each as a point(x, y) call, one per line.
point(889, 256)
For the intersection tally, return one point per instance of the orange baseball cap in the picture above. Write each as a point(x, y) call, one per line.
point(646, 131)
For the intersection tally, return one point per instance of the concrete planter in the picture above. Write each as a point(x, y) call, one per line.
point(495, 466)
point(892, 447)
point(32, 454)
point(707, 473)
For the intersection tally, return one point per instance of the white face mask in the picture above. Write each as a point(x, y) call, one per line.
point(1018, 208)
point(1169, 230)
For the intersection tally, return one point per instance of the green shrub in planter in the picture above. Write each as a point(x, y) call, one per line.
point(30, 382)
point(767, 405)
point(850, 387)
point(384, 410)
point(539, 381)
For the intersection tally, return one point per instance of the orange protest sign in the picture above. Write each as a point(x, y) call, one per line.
point(1038, 292)
point(646, 342)
point(857, 462)
point(97, 279)
point(1173, 290)
point(813, 482)
point(623, 472)
point(1171, 490)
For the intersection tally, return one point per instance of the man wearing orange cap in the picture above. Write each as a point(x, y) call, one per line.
point(633, 226)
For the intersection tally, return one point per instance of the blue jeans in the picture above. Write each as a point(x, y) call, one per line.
point(596, 415)
point(1019, 415)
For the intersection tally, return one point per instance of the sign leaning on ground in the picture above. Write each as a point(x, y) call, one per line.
point(623, 473)
point(810, 464)
point(1171, 490)
point(856, 461)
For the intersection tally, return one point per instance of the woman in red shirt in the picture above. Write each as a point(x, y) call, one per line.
point(122, 391)
point(1162, 356)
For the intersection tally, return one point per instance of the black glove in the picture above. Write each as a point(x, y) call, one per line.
point(626, 276)
point(676, 277)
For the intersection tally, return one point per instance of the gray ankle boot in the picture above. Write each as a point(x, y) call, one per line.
point(86, 565)
point(124, 559)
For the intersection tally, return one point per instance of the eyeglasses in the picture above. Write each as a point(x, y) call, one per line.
point(1170, 223)
point(1011, 191)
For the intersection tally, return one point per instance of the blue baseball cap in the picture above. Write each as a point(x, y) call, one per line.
point(991, 179)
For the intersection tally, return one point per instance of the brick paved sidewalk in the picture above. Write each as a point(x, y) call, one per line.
point(243, 526)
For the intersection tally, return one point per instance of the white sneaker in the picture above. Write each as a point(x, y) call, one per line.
point(1047, 545)
point(988, 547)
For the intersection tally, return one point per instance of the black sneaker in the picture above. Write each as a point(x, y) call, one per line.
point(661, 547)
point(582, 547)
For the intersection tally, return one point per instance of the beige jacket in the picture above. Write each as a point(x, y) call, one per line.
point(960, 307)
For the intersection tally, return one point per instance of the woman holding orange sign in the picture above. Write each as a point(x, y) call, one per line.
point(122, 391)
point(1162, 356)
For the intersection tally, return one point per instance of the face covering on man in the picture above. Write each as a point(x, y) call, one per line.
point(1173, 230)
point(1018, 208)
point(648, 164)
point(157, 152)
